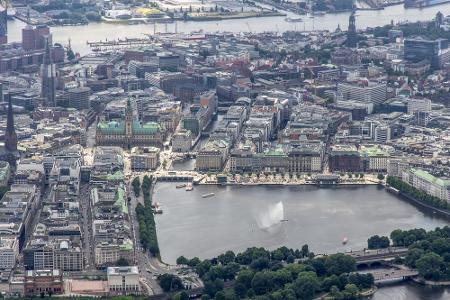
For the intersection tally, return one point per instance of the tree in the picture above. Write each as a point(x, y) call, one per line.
point(350, 292)
point(305, 250)
point(340, 263)
point(429, 266)
point(262, 282)
point(306, 285)
point(380, 176)
point(378, 242)
point(136, 184)
point(170, 282)
point(182, 260)
point(122, 262)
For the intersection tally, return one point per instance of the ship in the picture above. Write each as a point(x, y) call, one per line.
point(293, 20)
point(344, 240)
point(189, 187)
point(208, 195)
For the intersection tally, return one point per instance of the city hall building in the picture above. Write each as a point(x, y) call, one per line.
point(130, 132)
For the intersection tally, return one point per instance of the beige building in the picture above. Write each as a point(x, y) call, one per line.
point(123, 280)
point(144, 158)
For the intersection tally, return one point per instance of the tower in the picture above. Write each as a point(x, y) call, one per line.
point(128, 123)
point(10, 133)
point(48, 77)
point(439, 20)
point(3, 24)
point(352, 38)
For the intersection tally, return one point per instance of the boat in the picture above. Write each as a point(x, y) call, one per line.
point(180, 186)
point(189, 187)
point(319, 13)
point(293, 20)
point(157, 209)
point(344, 240)
point(284, 220)
point(208, 195)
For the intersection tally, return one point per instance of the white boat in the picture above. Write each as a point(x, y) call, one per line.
point(344, 240)
point(157, 209)
point(189, 187)
point(293, 20)
point(208, 195)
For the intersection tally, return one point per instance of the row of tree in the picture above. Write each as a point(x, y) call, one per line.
point(419, 195)
point(429, 252)
point(145, 217)
point(279, 274)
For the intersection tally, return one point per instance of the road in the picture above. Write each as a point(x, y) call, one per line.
point(86, 226)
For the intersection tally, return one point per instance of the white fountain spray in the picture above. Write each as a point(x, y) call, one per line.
point(273, 215)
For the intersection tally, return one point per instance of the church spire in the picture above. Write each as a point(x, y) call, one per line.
point(10, 134)
point(47, 55)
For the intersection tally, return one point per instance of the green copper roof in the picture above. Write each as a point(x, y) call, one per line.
point(120, 200)
point(117, 176)
point(128, 246)
point(430, 178)
point(146, 128)
point(275, 152)
point(373, 151)
point(112, 127)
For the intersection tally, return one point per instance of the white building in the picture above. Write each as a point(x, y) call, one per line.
point(415, 105)
point(9, 250)
point(424, 181)
point(369, 92)
point(182, 141)
point(123, 280)
point(144, 158)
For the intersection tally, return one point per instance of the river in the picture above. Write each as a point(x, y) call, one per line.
point(102, 31)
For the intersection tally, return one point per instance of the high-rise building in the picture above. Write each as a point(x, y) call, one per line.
point(34, 38)
point(437, 52)
point(48, 77)
point(3, 25)
point(10, 134)
point(79, 97)
point(352, 38)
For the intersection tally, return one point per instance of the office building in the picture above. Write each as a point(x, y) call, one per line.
point(144, 158)
point(364, 91)
point(437, 51)
point(79, 98)
point(43, 283)
point(182, 141)
point(123, 280)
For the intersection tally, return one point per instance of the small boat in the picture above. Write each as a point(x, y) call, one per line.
point(344, 240)
point(180, 186)
point(208, 195)
point(189, 187)
point(157, 209)
point(284, 220)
